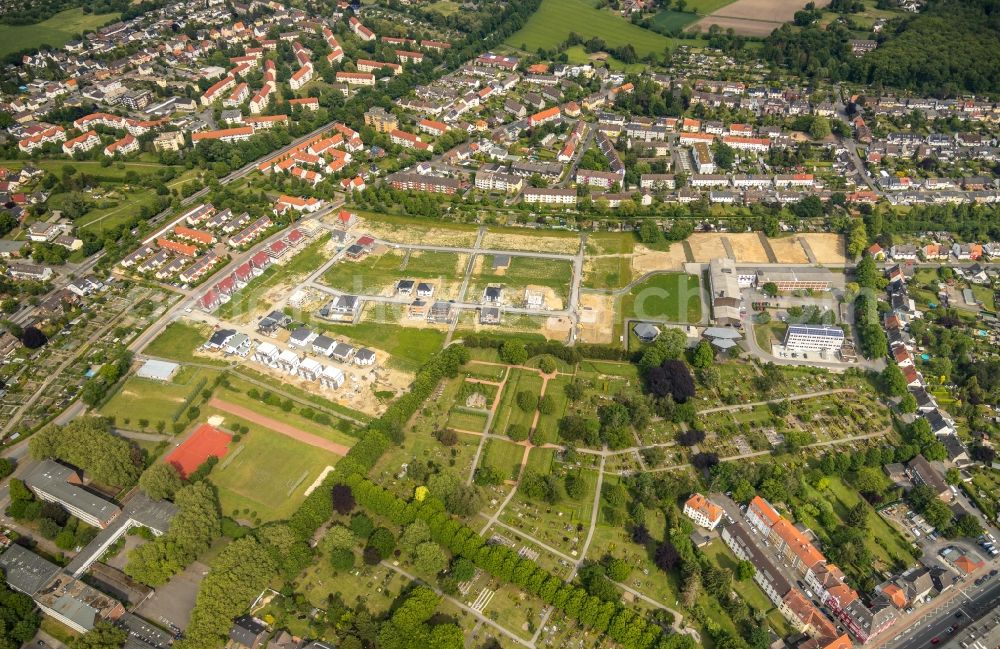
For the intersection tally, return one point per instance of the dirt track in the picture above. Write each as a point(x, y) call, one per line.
point(279, 427)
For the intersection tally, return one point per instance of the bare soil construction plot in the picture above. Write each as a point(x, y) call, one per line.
point(707, 246)
point(752, 17)
point(597, 315)
point(645, 260)
point(788, 250)
point(410, 233)
point(747, 247)
point(534, 242)
point(828, 247)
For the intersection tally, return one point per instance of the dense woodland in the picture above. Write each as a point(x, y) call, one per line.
point(949, 49)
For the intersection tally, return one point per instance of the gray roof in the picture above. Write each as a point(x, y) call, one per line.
point(142, 634)
point(723, 332)
point(246, 630)
point(76, 610)
point(342, 349)
point(25, 571)
point(158, 370)
point(300, 334)
point(323, 342)
point(646, 331)
point(723, 343)
point(365, 354)
point(52, 478)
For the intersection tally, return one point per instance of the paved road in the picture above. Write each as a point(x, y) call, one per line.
point(917, 631)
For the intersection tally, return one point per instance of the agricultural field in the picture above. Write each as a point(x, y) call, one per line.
point(745, 16)
point(670, 297)
point(555, 19)
point(671, 20)
point(55, 32)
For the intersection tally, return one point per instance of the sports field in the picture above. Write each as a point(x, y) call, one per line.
point(142, 403)
point(555, 19)
point(56, 31)
point(265, 475)
point(207, 441)
point(675, 297)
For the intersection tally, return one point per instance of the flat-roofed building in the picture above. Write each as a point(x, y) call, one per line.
point(814, 338)
point(725, 286)
point(53, 482)
point(796, 280)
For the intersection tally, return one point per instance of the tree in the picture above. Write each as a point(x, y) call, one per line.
point(517, 432)
point(770, 289)
point(342, 559)
point(462, 569)
point(343, 499)
point(745, 570)
point(382, 541)
point(527, 401)
point(103, 636)
point(671, 378)
point(892, 381)
point(703, 355)
point(968, 526)
point(413, 535)
point(429, 559)
point(547, 404)
point(513, 352)
point(160, 481)
point(87, 443)
point(617, 569)
point(361, 525)
point(547, 364)
point(33, 338)
point(820, 127)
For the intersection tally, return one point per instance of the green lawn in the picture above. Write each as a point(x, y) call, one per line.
point(555, 19)
point(521, 272)
point(540, 460)
point(467, 420)
point(444, 7)
point(267, 474)
point(409, 347)
point(55, 32)
point(503, 456)
point(377, 273)
point(607, 272)
point(675, 297)
point(508, 412)
point(154, 401)
point(178, 341)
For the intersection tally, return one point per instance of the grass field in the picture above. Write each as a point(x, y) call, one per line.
point(706, 6)
point(555, 19)
point(178, 342)
point(670, 296)
point(154, 401)
point(267, 474)
point(377, 273)
point(466, 420)
point(444, 7)
point(507, 412)
point(674, 20)
point(521, 272)
point(503, 456)
point(409, 347)
point(56, 31)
